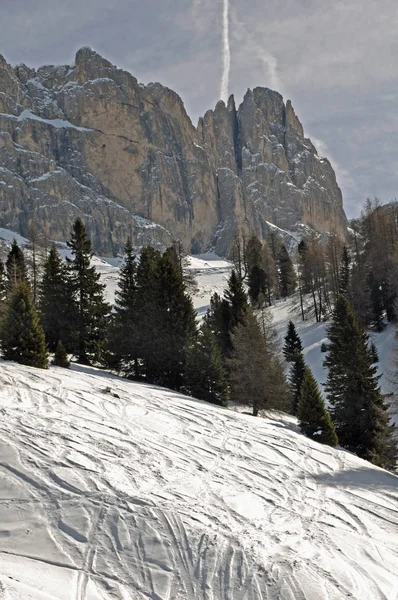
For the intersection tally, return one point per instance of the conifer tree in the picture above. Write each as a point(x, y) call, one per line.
point(57, 308)
point(237, 299)
point(123, 352)
point(258, 285)
point(358, 409)
point(3, 287)
point(375, 354)
point(287, 276)
point(22, 336)
point(218, 319)
point(314, 418)
point(88, 293)
point(344, 274)
point(15, 266)
point(204, 376)
point(255, 373)
point(292, 343)
point(296, 379)
point(61, 356)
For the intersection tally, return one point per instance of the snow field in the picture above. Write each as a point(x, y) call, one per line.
point(155, 495)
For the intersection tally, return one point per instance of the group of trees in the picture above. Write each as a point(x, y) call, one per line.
point(151, 333)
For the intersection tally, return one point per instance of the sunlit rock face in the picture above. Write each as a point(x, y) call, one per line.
point(88, 140)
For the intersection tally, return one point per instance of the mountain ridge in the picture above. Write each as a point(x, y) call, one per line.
point(88, 140)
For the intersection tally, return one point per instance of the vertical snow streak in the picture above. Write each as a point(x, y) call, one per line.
point(226, 53)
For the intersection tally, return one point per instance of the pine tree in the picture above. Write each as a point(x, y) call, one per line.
point(22, 337)
point(292, 343)
point(61, 357)
point(255, 373)
point(123, 353)
point(314, 419)
point(287, 276)
point(358, 409)
point(344, 274)
point(91, 323)
point(218, 319)
point(57, 308)
point(15, 266)
point(296, 379)
point(375, 354)
point(204, 376)
point(258, 285)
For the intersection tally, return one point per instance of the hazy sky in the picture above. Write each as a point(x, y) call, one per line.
point(336, 61)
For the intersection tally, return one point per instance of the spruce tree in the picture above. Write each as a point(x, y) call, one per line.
point(204, 376)
point(287, 275)
point(22, 336)
point(57, 308)
point(258, 285)
point(314, 418)
point(15, 266)
point(237, 299)
point(296, 379)
point(292, 343)
point(218, 319)
point(92, 310)
point(61, 356)
point(123, 352)
point(358, 409)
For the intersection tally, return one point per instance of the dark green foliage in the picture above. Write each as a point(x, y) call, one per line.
point(324, 347)
point(258, 285)
point(304, 267)
point(292, 343)
point(344, 274)
point(296, 379)
point(61, 356)
point(376, 303)
point(255, 373)
point(91, 322)
point(122, 347)
point(287, 276)
point(237, 299)
point(314, 419)
point(15, 266)
point(218, 319)
point(375, 354)
point(3, 287)
point(358, 409)
point(22, 336)
point(204, 372)
point(57, 308)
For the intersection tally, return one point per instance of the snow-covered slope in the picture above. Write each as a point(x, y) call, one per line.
point(115, 490)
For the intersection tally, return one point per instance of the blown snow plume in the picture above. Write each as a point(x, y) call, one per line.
point(226, 53)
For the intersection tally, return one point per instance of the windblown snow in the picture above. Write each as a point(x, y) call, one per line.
point(115, 490)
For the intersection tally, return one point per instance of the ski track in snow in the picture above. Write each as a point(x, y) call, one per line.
point(155, 495)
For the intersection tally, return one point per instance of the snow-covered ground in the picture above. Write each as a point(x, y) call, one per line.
point(114, 490)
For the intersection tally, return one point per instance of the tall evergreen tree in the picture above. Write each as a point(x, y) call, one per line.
point(57, 308)
point(296, 377)
point(123, 350)
point(61, 356)
point(15, 266)
point(204, 376)
point(344, 274)
point(255, 373)
point(258, 285)
point(292, 343)
point(22, 337)
point(89, 297)
point(237, 299)
point(287, 276)
point(314, 418)
point(358, 409)
point(218, 319)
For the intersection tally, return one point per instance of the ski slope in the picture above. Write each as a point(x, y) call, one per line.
point(112, 490)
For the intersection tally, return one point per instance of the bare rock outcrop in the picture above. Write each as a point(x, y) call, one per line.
point(88, 140)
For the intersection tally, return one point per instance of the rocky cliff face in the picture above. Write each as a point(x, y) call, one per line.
point(90, 141)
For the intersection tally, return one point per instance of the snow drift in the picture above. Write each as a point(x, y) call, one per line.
point(115, 490)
